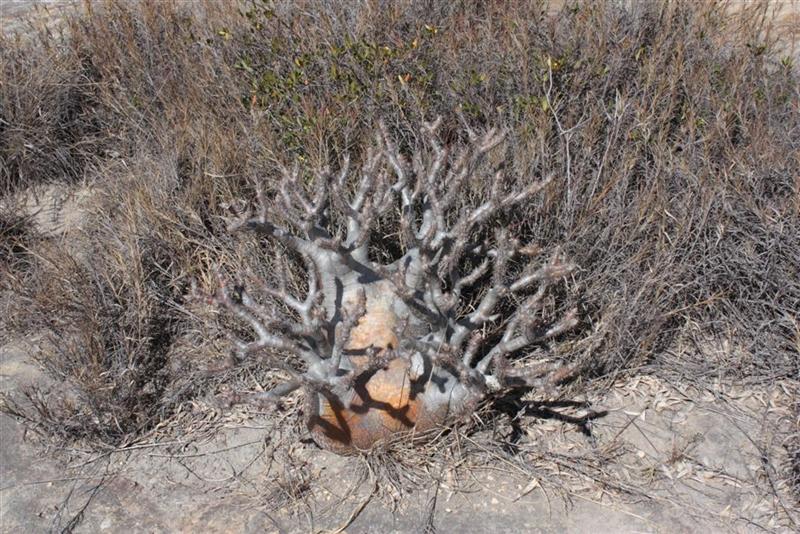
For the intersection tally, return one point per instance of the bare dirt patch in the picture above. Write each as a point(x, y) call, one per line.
point(684, 214)
point(690, 458)
point(24, 15)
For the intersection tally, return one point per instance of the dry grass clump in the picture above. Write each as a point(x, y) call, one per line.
point(49, 128)
point(671, 127)
point(14, 233)
point(110, 318)
point(793, 447)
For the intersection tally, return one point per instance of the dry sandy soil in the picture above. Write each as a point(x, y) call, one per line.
point(13, 13)
point(705, 457)
point(688, 458)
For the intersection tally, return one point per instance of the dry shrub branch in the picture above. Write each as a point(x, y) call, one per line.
point(670, 128)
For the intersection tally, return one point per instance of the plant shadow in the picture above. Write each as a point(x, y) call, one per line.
point(516, 409)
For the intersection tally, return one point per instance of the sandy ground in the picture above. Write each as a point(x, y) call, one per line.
point(22, 15)
point(690, 459)
point(787, 14)
point(18, 8)
point(675, 457)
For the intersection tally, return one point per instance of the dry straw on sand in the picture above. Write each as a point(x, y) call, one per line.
point(671, 129)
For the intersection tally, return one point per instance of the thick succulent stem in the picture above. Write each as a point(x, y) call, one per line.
point(394, 348)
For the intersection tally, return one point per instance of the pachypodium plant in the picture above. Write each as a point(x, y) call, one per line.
point(388, 349)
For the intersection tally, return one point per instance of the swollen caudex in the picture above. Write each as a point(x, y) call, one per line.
point(405, 393)
point(391, 349)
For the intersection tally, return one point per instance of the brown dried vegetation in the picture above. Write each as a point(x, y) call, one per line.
point(671, 130)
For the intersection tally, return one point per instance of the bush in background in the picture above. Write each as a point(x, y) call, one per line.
point(671, 127)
